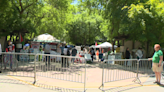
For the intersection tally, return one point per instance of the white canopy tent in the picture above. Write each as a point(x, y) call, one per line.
point(45, 38)
point(93, 46)
point(105, 45)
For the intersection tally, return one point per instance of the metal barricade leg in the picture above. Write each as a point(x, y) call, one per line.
point(35, 70)
point(102, 85)
point(85, 78)
point(11, 61)
point(137, 77)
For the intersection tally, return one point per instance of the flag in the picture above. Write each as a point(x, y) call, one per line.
point(96, 44)
point(21, 39)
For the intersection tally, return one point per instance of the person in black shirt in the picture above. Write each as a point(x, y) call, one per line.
point(127, 55)
point(92, 53)
point(74, 52)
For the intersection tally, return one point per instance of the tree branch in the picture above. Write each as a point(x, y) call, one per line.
point(16, 6)
point(27, 7)
point(20, 3)
point(39, 19)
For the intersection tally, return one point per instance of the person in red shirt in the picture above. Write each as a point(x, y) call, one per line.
point(97, 55)
point(102, 51)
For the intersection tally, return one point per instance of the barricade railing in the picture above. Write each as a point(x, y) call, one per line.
point(118, 69)
point(145, 68)
point(121, 69)
point(13, 64)
point(66, 68)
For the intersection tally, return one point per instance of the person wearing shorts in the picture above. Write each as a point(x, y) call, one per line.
point(157, 66)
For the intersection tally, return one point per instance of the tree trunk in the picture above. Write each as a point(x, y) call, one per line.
point(147, 50)
point(17, 37)
point(5, 43)
point(133, 44)
point(13, 38)
point(31, 35)
point(122, 42)
point(123, 53)
point(113, 43)
point(10, 37)
point(118, 44)
point(34, 35)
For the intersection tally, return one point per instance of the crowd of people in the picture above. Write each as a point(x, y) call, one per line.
point(157, 59)
point(139, 53)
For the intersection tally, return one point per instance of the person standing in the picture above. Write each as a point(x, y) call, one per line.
point(83, 53)
point(74, 53)
point(65, 61)
point(97, 55)
point(58, 49)
point(40, 51)
point(127, 55)
point(47, 50)
point(92, 53)
point(65, 50)
point(157, 66)
point(102, 51)
point(10, 47)
point(109, 51)
point(139, 54)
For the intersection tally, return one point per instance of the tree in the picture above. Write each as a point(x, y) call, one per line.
point(31, 17)
point(85, 29)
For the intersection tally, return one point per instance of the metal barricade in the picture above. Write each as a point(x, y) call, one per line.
point(145, 68)
point(12, 64)
point(118, 69)
point(65, 68)
point(121, 69)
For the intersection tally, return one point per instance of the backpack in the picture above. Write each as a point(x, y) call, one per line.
point(68, 52)
point(92, 52)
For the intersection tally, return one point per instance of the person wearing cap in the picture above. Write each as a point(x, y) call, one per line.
point(157, 66)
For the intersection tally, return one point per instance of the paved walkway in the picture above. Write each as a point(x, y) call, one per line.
point(94, 79)
point(8, 84)
point(17, 84)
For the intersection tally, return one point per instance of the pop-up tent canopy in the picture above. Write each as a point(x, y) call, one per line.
point(45, 38)
point(93, 46)
point(105, 45)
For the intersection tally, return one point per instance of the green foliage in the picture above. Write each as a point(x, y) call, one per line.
point(85, 22)
point(84, 29)
point(33, 17)
point(140, 20)
point(147, 22)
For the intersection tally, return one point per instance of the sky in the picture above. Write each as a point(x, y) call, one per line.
point(75, 2)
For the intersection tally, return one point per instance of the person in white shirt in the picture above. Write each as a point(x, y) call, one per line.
point(65, 50)
point(139, 54)
point(47, 50)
